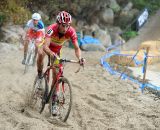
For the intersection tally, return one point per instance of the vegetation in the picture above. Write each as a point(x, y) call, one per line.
point(13, 10)
point(152, 5)
point(19, 11)
point(129, 34)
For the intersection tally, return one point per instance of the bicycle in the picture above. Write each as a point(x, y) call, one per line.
point(31, 53)
point(60, 94)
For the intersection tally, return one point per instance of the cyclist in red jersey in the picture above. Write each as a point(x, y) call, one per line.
point(56, 35)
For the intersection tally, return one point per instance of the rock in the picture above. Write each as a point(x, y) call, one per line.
point(128, 7)
point(114, 32)
point(126, 17)
point(107, 16)
point(104, 37)
point(13, 34)
point(114, 6)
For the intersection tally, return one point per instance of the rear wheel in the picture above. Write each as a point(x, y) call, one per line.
point(45, 96)
point(61, 99)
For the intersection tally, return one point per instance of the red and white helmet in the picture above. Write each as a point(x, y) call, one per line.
point(64, 17)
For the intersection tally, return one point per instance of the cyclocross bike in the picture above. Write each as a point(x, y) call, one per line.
point(60, 95)
point(31, 53)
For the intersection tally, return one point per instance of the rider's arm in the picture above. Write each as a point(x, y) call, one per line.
point(28, 25)
point(46, 46)
point(74, 39)
point(47, 41)
point(78, 54)
point(77, 50)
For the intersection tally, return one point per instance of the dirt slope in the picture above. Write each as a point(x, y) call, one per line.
point(100, 101)
point(150, 31)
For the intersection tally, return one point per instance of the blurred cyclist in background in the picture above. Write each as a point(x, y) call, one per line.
point(34, 30)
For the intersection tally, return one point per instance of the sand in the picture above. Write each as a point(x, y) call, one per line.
point(100, 101)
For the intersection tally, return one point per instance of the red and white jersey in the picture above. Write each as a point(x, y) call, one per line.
point(56, 41)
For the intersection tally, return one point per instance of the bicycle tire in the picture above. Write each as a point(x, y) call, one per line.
point(29, 58)
point(37, 93)
point(62, 102)
point(27, 62)
point(44, 98)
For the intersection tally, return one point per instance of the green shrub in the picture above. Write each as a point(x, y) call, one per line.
point(12, 11)
point(129, 34)
point(20, 16)
point(152, 5)
point(2, 18)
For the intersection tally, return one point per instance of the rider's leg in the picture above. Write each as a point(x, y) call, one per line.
point(36, 53)
point(54, 96)
point(26, 41)
point(54, 61)
point(41, 55)
point(35, 56)
point(53, 77)
point(54, 108)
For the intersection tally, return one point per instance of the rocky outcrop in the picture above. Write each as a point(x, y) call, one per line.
point(12, 34)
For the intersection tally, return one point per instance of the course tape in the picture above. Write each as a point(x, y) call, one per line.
point(124, 76)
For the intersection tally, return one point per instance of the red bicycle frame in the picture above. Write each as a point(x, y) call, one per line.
point(58, 75)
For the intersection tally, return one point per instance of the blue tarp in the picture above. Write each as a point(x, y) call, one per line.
point(89, 40)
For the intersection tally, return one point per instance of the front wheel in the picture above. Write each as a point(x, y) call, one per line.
point(30, 56)
point(61, 99)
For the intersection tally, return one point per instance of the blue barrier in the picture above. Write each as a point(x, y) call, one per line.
point(108, 68)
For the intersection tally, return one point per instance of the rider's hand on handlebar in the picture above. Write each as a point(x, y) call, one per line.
point(57, 56)
point(82, 61)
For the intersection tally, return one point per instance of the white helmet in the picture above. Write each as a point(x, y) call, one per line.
point(36, 16)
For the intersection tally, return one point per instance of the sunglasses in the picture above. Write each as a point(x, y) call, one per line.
point(35, 20)
point(66, 25)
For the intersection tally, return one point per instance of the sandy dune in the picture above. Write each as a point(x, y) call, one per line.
point(100, 101)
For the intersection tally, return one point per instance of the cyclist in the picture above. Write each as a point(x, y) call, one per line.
point(34, 30)
point(56, 35)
